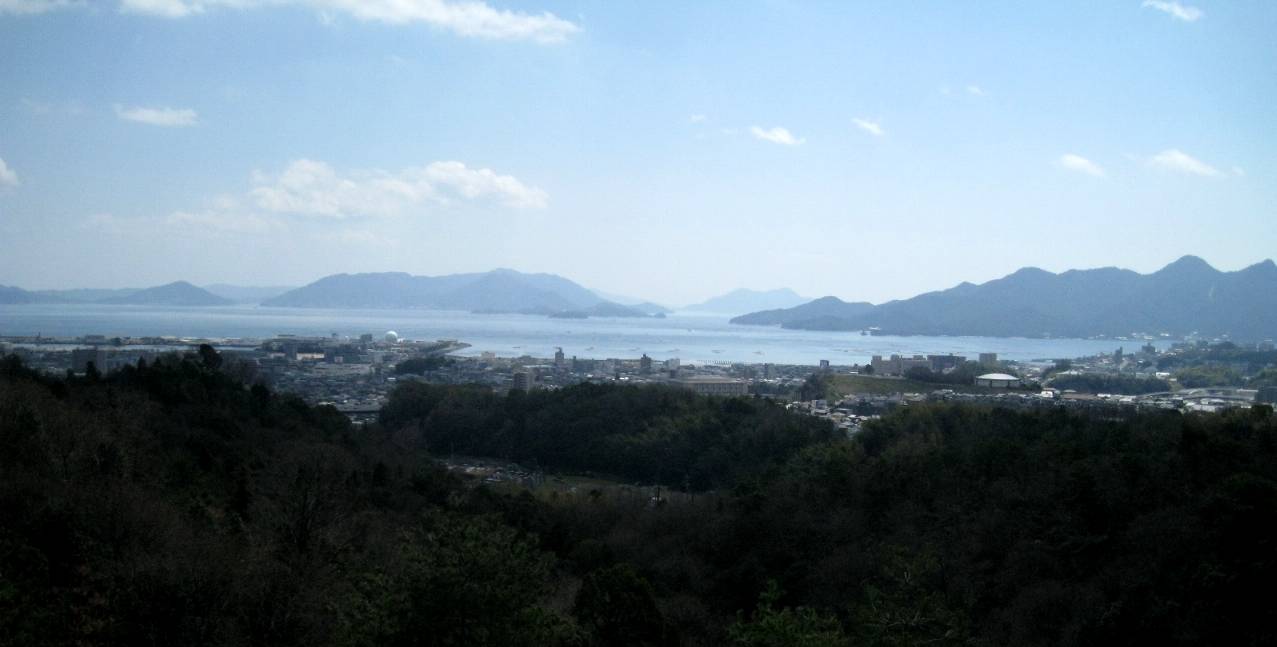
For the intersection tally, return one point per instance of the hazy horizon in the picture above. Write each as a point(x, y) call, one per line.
point(670, 153)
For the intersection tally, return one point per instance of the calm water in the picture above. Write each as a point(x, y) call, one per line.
point(690, 338)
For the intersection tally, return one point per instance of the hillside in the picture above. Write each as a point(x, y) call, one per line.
point(1186, 297)
point(501, 290)
point(178, 293)
point(808, 315)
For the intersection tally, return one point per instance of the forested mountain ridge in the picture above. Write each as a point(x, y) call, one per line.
point(1186, 297)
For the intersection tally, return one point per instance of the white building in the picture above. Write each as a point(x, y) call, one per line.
point(997, 380)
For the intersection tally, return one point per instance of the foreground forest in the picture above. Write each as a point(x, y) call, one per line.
point(175, 504)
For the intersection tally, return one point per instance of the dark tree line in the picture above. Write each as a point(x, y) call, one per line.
point(1105, 383)
point(419, 365)
point(647, 434)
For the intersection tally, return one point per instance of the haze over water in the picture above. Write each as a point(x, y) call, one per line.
point(692, 339)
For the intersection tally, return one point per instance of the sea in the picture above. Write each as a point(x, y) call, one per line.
point(692, 338)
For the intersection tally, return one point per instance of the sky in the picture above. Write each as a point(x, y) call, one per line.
point(664, 151)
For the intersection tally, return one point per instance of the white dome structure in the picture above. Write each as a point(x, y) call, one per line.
point(997, 380)
point(392, 337)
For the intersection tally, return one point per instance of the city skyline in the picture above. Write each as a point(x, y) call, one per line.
point(670, 155)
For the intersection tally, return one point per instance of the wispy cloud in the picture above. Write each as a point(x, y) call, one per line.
point(313, 188)
point(469, 18)
point(1175, 9)
point(35, 6)
point(975, 90)
point(697, 119)
point(871, 127)
point(777, 135)
point(168, 117)
point(1177, 160)
point(309, 194)
point(1081, 165)
point(8, 177)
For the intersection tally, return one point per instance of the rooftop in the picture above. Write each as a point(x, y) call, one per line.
point(997, 376)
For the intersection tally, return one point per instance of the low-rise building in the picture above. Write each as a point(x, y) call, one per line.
point(898, 365)
point(712, 385)
point(997, 380)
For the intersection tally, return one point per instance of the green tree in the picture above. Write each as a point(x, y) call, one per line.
point(616, 606)
point(774, 626)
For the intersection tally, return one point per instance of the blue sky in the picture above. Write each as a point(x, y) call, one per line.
point(668, 151)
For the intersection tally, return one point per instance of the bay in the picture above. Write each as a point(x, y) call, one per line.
point(691, 338)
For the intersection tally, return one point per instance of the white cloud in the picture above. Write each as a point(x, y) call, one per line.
point(169, 117)
point(698, 119)
point(1177, 160)
point(470, 18)
point(35, 6)
point(8, 178)
point(776, 135)
point(1081, 164)
point(314, 188)
point(1175, 9)
point(975, 90)
point(871, 127)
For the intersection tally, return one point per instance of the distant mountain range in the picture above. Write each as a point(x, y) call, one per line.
point(742, 301)
point(500, 290)
point(179, 293)
point(1187, 296)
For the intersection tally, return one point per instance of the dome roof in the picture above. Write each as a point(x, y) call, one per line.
point(997, 376)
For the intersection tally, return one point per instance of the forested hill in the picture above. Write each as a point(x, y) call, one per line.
point(175, 504)
point(650, 434)
point(1186, 297)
